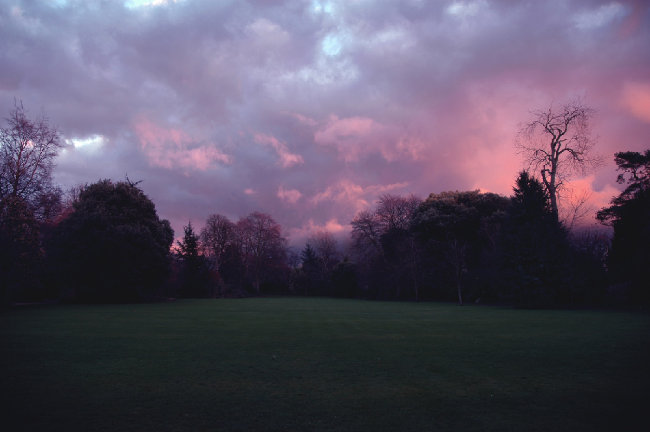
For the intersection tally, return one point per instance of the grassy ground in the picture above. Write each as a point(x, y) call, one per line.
point(322, 365)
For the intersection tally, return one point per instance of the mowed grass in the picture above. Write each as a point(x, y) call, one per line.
point(312, 364)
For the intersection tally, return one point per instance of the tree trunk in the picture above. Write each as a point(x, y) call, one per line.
point(256, 285)
point(552, 190)
point(416, 288)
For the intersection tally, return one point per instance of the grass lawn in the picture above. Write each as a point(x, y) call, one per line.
point(296, 364)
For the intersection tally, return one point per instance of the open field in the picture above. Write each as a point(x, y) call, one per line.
point(322, 365)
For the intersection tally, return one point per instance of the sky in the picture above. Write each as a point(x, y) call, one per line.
point(310, 110)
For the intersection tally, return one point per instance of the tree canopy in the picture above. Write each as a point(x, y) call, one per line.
point(456, 228)
point(534, 248)
point(629, 214)
point(113, 246)
point(27, 151)
point(27, 199)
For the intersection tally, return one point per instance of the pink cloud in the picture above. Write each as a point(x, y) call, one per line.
point(304, 119)
point(349, 136)
point(347, 194)
point(310, 227)
point(287, 159)
point(595, 199)
point(171, 148)
point(289, 195)
point(412, 94)
point(635, 97)
point(355, 137)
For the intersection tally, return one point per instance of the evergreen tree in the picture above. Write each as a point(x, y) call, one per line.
point(534, 248)
point(309, 270)
point(194, 277)
point(629, 214)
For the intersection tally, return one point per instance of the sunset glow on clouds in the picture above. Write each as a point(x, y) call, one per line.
point(289, 195)
point(174, 149)
point(636, 98)
point(285, 158)
point(310, 110)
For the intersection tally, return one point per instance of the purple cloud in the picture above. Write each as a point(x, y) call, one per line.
point(310, 110)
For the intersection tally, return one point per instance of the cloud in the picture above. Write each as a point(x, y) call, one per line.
point(349, 136)
point(600, 16)
point(300, 234)
point(584, 192)
point(358, 137)
point(464, 9)
point(290, 196)
point(286, 158)
point(132, 4)
point(346, 193)
point(346, 99)
point(172, 148)
point(90, 143)
point(636, 98)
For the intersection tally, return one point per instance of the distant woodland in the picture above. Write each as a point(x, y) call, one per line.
point(104, 242)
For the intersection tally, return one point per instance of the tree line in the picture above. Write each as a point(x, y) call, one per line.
point(104, 242)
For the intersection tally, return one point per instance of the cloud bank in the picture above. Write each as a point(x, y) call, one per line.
point(309, 110)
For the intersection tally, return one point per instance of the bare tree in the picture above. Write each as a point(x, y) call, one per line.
point(395, 212)
point(382, 238)
point(557, 143)
point(575, 207)
point(216, 237)
point(366, 233)
point(324, 244)
point(262, 245)
point(27, 151)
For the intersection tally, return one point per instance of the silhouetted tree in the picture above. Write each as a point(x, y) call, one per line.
point(263, 249)
point(629, 215)
point(27, 151)
point(112, 247)
point(326, 250)
point(557, 143)
point(534, 247)
point(319, 259)
point(384, 249)
point(194, 272)
point(588, 266)
point(216, 237)
point(20, 251)
point(27, 199)
point(454, 229)
point(366, 234)
point(394, 212)
point(188, 247)
point(400, 252)
point(344, 279)
point(309, 270)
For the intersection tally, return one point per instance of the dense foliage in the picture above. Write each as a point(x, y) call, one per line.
point(458, 233)
point(106, 243)
point(20, 254)
point(629, 214)
point(534, 248)
point(112, 246)
point(192, 267)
